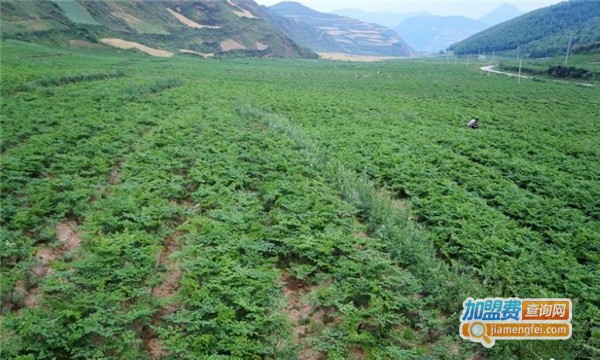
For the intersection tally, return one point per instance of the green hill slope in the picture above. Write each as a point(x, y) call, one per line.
point(207, 28)
point(540, 33)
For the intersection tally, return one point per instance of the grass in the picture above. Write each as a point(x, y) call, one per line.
point(76, 12)
point(352, 191)
point(67, 79)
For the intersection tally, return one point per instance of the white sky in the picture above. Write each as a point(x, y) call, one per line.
point(472, 9)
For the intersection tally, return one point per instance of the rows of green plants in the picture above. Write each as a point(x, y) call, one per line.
point(514, 203)
point(60, 150)
point(357, 188)
point(242, 209)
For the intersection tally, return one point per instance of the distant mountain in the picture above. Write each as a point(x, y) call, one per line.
point(383, 18)
point(317, 30)
point(308, 36)
point(540, 33)
point(501, 14)
point(159, 27)
point(431, 34)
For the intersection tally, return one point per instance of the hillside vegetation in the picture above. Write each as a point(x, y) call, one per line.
point(200, 27)
point(541, 33)
point(287, 209)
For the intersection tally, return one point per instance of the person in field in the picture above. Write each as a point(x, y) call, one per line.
point(473, 124)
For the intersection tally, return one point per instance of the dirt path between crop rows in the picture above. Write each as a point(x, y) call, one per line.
point(70, 240)
point(167, 288)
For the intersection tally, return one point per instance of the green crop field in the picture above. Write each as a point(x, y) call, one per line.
point(280, 209)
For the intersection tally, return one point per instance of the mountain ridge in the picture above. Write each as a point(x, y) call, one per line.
point(432, 33)
point(501, 14)
point(388, 19)
point(544, 32)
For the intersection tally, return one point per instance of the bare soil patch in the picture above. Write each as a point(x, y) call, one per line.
point(170, 284)
point(152, 344)
point(155, 349)
point(127, 45)
point(241, 12)
point(29, 296)
point(336, 32)
point(67, 234)
point(230, 44)
point(204, 55)
point(260, 46)
point(69, 238)
point(44, 257)
point(168, 287)
point(358, 58)
point(189, 22)
point(31, 300)
point(299, 312)
point(359, 354)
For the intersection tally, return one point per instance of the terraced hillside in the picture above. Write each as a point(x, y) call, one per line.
point(338, 33)
point(161, 28)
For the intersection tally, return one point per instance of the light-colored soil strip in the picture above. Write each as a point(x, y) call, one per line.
point(260, 46)
point(30, 296)
point(155, 349)
point(230, 44)
point(189, 22)
point(44, 257)
point(365, 32)
point(167, 288)
point(298, 311)
point(359, 354)
point(351, 57)
point(70, 240)
point(242, 12)
point(204, 55)
point(171, 282)
point(126, 45)
point(68, 235)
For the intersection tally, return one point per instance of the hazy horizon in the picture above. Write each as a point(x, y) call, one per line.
point(471, 9)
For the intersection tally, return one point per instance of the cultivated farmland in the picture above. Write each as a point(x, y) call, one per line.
point(281, 209)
